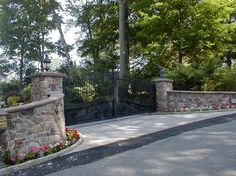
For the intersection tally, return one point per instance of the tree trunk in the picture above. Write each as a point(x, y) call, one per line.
point(63, 40)
point(21, 70)
point(180, 57)
point(39, 47)
point(43, 52)
point(123, 27)
point(229, 59)
point(65, 46)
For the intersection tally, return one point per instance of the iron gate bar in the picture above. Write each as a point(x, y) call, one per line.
point(99, 97)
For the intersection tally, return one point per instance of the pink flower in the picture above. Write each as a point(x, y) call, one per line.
point(13, 159)
point(35, 149)
point(18, 155)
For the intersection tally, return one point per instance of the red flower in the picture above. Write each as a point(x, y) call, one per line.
point(45, 148)
point(76, 135)
point(75, 130)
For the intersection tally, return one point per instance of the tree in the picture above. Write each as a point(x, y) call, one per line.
point(5, 66)
point(124, 43)
point(65, 49)
point(181, 32)
point(24, 26)
point(97, 39)
point(192, 39)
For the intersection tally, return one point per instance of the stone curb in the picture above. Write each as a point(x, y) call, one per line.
point(11, 169)
point(194, 112)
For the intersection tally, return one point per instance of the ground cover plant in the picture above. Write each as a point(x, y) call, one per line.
point(13, 157)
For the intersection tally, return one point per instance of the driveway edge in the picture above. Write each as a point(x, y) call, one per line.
point(22, 166)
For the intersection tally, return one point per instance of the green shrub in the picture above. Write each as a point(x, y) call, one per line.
point(26, 93)
point(186, 77)
point(222, 80)
point(12, 86)
point(13, 100)
point(87, 92)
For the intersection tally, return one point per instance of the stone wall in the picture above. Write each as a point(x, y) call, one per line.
point(169, 100)
point(35, 124)
point(45, 83)
point(197, 100)
point(38, 123)
point(162, 86)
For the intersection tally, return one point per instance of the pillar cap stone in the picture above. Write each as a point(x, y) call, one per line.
point(164, 80)
point(49, 74)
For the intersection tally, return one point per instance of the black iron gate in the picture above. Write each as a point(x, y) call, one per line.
point(104, 96)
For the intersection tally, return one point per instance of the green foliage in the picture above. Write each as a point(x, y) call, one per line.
point(87, 92)
point(222, 80)
point(190, 77)
point(5, 66)
point(5, 156)
point(182, 36)
point(98, 21)
point(80, 94)
point(13, 157)
point(161, 34)
point(13, 100)
point(26, 93)
point(24, 29)
point(187, 78)
point(182, 31)
point(10, 87)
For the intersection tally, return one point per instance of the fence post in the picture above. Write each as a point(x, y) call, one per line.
point(163, 85)
point(113, 93)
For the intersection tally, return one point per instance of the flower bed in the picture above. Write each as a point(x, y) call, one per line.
point(12, 157)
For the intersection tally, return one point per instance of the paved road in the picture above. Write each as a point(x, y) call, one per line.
point(208, 151)
point(106, 132)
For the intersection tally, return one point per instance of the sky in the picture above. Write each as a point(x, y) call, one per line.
point(70, 39)
point(70, 34)
point(54, 35)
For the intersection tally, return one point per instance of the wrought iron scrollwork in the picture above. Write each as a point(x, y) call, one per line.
point(106, 96)
point(88, 112)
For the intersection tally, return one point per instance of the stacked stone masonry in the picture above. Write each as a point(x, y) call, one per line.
point(45, 83)
point(162, 86)
point(169, 100)
point(40, 122)
point(179, 101)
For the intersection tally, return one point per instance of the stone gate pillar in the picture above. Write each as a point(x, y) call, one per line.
point(163, 85)
point(40, 122)
point(43, 84)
